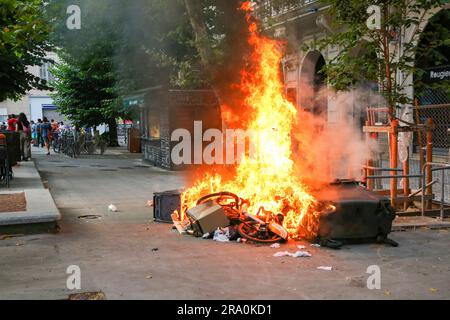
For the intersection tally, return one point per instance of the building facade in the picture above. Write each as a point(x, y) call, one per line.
point(307, 21)
point(36, 104)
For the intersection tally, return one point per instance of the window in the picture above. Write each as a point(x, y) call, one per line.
point(154, 125)
point(44, 71)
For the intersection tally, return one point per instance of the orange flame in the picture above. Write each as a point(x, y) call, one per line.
point(269, 180)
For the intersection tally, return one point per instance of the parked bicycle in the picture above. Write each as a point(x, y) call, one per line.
point(65, 143)
point(74, 143)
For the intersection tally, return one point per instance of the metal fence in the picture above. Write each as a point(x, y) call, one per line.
point(434, 103)
point(441, 117)
point(416, 183)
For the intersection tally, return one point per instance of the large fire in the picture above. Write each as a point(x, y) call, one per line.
point(268, 180)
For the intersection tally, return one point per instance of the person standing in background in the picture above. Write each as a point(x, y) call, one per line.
point(46, 132)
point(24, 128)
point(54, 124)
point(39, 142)
point(12, 123)
point(33, 133)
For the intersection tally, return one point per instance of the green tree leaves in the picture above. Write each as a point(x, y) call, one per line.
point(24, 35)
point(382, 56)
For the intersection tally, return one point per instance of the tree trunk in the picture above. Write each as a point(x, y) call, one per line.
point(112, 126)
point(235, 46)
point(195, 12)
point(387, 62)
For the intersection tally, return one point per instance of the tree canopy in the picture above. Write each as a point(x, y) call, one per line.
point(120, 49)
point(24, 41)
point(378, 54)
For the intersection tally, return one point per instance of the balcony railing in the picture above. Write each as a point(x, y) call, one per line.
point(273, 9)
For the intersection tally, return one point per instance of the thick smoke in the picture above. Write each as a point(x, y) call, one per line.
point(334, 148)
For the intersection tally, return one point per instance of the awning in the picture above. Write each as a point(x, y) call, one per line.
point(48, 107)
point(130, 101)
point(137, 97)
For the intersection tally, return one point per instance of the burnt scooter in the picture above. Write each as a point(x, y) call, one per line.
point(247, 225)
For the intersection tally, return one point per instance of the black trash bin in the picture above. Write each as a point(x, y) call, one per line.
point(164, 204)
point(13, 142)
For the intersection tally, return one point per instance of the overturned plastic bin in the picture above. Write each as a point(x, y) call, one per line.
point(164, 204)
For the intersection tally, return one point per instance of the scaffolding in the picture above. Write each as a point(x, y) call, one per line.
point(422, 201)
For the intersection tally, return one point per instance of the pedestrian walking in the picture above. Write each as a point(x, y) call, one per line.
point(39, 141)
point(33, 133)
point(24, 128)
point(46, 132)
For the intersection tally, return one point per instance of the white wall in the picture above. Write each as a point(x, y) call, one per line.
point(36, 106)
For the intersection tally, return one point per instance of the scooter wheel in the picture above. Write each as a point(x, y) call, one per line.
point(251, 231)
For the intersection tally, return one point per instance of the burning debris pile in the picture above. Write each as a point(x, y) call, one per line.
point(263, 191)
point(265, 198)
point(223, 216)
point(270, 192)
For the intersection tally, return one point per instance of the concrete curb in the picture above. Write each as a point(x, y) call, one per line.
point(416, 222)
point(41, 208)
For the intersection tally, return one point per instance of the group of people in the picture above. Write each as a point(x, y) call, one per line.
point(39, 133)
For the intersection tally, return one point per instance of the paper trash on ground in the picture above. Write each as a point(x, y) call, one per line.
point(112, 208)
point(221, 235)
point(326, 268)
point(297, 254)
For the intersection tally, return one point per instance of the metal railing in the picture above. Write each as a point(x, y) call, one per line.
point(423, 176)
point(440, 167)
point(269, 8)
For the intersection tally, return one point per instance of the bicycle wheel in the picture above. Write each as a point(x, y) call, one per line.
point(56, 146)
point(75, 154)
point(102, 148)
point(252, 231)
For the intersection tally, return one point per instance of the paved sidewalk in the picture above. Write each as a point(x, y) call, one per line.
point(41, 212)
point(127, 256)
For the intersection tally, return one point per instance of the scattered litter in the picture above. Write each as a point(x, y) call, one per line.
point(220, 235)
point(225, 234)
point(326, 268)
point(155, 249)
point(150, 203)
point(112, 208)
point(301, 247)
point(243, 240)
point(433, 290)
point(148, 277)
point(206, 235)
point(315, 245)
point(181, 226)
point(89, 217)
point(297, 254)
point(275, 245)
point(387, 293)
point(281, 254)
